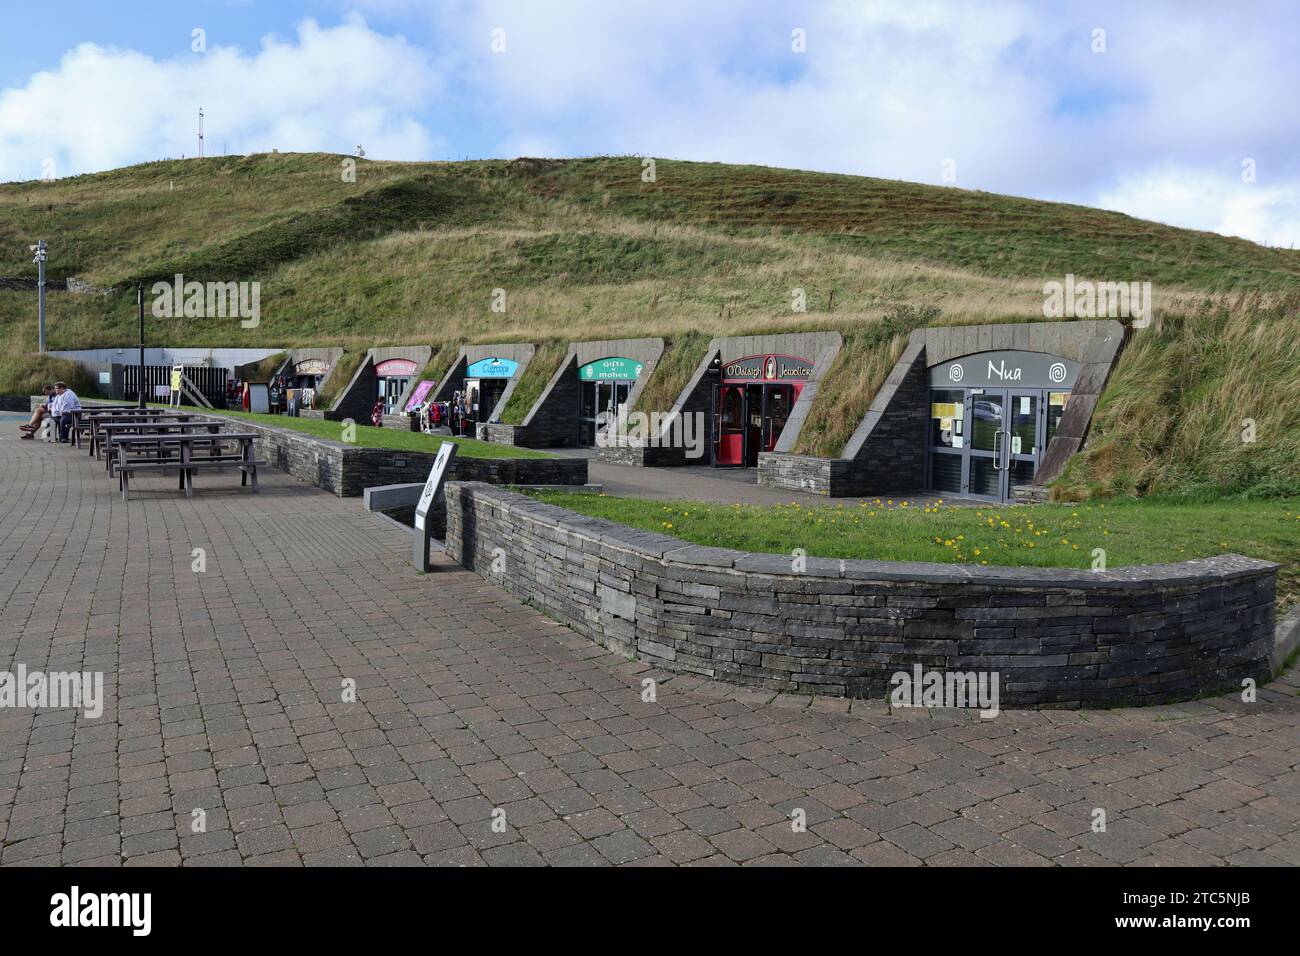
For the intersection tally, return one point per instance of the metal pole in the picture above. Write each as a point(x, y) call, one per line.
point(139, 298)
point(40, 294)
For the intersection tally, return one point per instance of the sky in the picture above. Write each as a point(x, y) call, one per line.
point(1184, 112)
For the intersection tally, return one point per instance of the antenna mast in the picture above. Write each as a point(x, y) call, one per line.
point(200, 132)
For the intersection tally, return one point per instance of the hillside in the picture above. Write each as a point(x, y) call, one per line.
point(410, 253)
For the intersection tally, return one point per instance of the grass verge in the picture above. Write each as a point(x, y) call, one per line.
point(1129, 531)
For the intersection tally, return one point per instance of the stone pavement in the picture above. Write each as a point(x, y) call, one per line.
point(225, 695)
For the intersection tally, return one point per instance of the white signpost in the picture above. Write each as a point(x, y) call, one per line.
point(428, 497)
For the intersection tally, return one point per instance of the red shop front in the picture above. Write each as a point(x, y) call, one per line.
point(751, 404)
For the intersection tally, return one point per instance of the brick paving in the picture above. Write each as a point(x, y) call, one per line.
point(225, 697)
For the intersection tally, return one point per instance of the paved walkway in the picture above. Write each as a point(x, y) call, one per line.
point(225, 704)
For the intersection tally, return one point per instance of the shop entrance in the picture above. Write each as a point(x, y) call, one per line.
point(986, 443)
point(599, 405)
point(748, 419)
point(482, 395)
point(992, 416)
point(391, 388)
point(392, 376)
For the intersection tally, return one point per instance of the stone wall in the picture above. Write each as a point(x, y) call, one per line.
point(347, 470)
point(1055, 637)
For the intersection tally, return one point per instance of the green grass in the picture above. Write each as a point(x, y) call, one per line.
point(409, 253)
point(541, 367)
point(395, 439)
point(1130, 531)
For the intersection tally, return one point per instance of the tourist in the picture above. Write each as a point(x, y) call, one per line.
point(41, 413)
point(377, 414)
point(65, 403)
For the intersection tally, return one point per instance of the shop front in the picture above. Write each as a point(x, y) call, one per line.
point(751, 405)
point(485, 383)
point(305, 380)
point(392, 377)
point(991, 418)
point(604, 389)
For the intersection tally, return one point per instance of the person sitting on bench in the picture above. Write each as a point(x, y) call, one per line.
point(42, 412)
point(65, 403)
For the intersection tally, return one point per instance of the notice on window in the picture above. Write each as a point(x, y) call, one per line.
point(956, 441)
point(1015, 444)
point(946, 410)
point(1024, 404)
point(1058, 398)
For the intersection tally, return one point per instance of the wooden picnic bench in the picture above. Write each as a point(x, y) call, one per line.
point(184, 444)
point(102, 428)
point(82, 417)
point(108, 434)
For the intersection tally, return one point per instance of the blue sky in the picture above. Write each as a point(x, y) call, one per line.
point(1181, 112)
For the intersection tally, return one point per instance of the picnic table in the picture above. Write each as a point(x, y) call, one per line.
point(81, 416)
point(108, 433)
point(186, 463)
point(84, 419)
point(102, 428)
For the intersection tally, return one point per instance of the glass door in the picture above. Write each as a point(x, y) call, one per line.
point(1023, 443)
point(729, 420)
point(985, 478)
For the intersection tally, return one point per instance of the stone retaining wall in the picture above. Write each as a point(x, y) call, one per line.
point(1056, 637)
point(347, 470)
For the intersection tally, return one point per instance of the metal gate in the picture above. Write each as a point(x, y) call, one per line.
point(209, 380)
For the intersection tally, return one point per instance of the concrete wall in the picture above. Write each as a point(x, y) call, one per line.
point(1055, 637)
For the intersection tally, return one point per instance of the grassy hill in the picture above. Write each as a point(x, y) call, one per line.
point(410, 253)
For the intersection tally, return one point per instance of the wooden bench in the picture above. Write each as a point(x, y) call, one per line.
point(106, 434)
point(245, 459)
point(83, 417)
point(101, 425)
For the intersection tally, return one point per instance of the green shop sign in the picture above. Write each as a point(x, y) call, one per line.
point(610, 369)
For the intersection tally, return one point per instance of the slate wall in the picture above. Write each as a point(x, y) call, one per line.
point(1056, 637)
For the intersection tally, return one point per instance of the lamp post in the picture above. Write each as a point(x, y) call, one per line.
point(39, 259)
point(139, 299)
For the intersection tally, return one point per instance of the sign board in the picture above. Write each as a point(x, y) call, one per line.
point(311, 367)
point(162, 391)
point(259, 398)
point(492, 368)
point(418, 396)
point(612, 369)
point(446, 452)
point(1005, 368)
point(767, 368)
point(105, 378)
point(396, 368)
point(429, 495)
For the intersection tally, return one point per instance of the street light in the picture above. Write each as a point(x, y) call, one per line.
point(39, 259)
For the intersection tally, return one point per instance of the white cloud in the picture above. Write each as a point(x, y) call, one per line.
point(328, 89)
point(1011, 90)
point(1213, 202)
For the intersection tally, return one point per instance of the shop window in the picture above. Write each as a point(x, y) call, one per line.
point(732, 411)
point(947, 418)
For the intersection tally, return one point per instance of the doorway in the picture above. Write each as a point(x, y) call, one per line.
point(748, 419)
point(390, 392)
point(599, 404)
point(987, 442)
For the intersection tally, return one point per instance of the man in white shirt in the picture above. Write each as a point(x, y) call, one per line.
point(64, 404)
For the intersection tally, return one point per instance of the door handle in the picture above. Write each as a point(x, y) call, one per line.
point(997, 450)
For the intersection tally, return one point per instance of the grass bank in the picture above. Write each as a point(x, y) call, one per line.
point(1129, 531)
